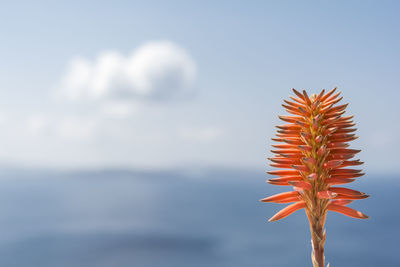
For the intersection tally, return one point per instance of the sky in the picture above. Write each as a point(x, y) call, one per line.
point(181, 84)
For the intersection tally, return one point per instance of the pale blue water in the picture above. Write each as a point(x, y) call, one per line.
point(178, 219)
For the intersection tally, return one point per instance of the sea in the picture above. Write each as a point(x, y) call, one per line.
point(205, 217)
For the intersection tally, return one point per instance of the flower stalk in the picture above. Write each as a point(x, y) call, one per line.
point(312, 155)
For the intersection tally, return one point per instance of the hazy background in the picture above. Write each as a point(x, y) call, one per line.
point(136, 133)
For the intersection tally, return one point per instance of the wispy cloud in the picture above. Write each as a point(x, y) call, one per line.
point(110, 111)
point(155, 70)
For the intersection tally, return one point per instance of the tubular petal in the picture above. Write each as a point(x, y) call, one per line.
point(305, 148)
point(342, 202)
point(301, 184)
point(351, 163)
point(310, 160)
point(293, 104)
point(313, 176)
point(345, 125)
point(280, 196)
point(321, 150)
point(302, 124)
point(291, 119)
point(341, 196)
point(286, 178)
point(297, 100)
point(352, 175)
point(302, 168)
point(336, 181)
point(326, 194)
point(278, 183)
point(282, 166)
point(328, 94)
point(346, 191)
point(332, 102)
point(330, 114)
point(305, 135)
point(306, 98)
point(284, 146)
point(287, 211)
point(333, 97)
point(288, 200)
point(347, 211)
point(346, 130)
point(345, 151)
point(283, 172)
point(301, 96)
point(337, 145)
point(345, 139)
point(292, 156)
point(287, 135)
point(288, 127)
point(331, 120)
point(289, 132)
point(303, 111)
point(320, 95)
point(330, 130)
point(341, 156)
point(333, 164)
point(315, 104)
point(338, 171)
point(285, 151)
point(293, 141)
point(284, 160)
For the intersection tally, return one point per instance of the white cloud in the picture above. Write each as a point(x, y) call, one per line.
point(116, 119)
point(155, 70)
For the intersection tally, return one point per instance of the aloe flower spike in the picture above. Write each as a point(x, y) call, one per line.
point(313, 157)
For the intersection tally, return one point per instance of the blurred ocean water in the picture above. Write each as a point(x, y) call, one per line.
point(180, 219)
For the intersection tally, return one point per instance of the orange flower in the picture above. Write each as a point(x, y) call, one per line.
point(313, 157)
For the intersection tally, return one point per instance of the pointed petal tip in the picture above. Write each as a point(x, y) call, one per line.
point(363, 216)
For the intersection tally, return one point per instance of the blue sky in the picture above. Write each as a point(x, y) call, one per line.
point(246, 57)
